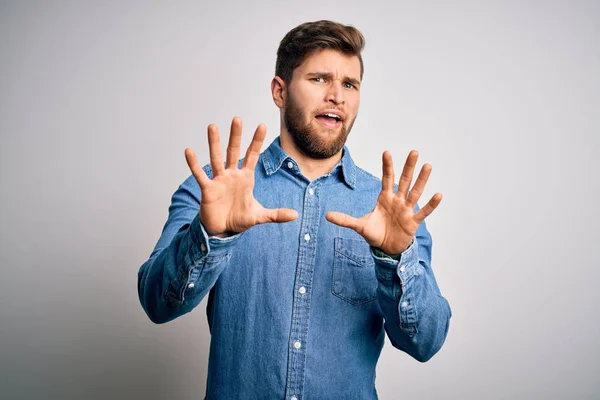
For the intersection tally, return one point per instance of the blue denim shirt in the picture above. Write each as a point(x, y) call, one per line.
point(296, 310)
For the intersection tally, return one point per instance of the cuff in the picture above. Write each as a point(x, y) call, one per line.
point(203, 244)
point(405, 265)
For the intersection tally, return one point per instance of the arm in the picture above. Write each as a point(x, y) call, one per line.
point(416, 315)
point(185, 262)
point(201, 230)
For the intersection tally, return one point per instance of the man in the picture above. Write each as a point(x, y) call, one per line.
point(306, 258)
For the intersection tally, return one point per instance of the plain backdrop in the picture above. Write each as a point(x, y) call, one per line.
point(98, 101)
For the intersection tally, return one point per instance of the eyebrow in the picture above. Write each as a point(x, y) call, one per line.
point(329, 75)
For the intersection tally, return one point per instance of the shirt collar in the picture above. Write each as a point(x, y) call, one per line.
point(274, 156)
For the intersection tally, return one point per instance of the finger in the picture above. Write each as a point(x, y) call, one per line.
point(342, 219)
point(253, 151)
point(278, 215)
point(428, 208)
point(387, 180)
point(417, 190)
point(407, 173)
point(197, 171)
point(235, 142)
point(214, 146)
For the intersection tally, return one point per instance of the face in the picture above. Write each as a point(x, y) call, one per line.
point(321, 102)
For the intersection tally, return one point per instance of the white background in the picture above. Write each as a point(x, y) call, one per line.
point(99, 99)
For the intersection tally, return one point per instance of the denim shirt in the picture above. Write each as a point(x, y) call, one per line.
point(296, 310)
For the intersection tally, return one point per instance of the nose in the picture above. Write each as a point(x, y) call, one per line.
point(335, 92)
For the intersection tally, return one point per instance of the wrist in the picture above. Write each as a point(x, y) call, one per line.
point(214, 232)
point(223, 235)
point(380, 253)
point(396, 251)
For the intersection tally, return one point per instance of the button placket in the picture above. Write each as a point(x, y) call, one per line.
point(302, 297)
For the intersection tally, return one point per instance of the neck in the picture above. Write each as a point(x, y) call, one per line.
point(311, 168)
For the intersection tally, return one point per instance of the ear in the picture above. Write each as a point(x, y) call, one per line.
point(278, 91)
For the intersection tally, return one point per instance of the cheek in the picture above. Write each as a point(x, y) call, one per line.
point(356, 104)
point(354, 107)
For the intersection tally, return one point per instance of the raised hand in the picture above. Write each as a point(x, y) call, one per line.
point(228, 205)
point(393, 223)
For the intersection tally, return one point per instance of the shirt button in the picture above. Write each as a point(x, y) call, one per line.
point(202, 247)
point(297, 345)
point(191, 285)
point(404, 304)
point(402, 268)
point(307, 237)
point(302, 290)
point(290, 165)
point(311, 191)
point(293, 398)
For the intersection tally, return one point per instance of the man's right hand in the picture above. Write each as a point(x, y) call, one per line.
point(228, 204)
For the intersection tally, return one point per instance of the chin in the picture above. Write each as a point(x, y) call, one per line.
point(328, 130)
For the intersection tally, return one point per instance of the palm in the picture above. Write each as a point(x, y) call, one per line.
point(228, 204)
point(390, 222)
point(393, 223)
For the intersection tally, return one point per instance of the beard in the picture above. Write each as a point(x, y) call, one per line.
point(304, 136)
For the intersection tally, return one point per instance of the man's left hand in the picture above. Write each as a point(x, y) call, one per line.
point(392, 225)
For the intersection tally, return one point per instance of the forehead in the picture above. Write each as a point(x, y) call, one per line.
point(331, 61)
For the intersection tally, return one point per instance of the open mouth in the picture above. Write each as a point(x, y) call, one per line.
point(329, 119)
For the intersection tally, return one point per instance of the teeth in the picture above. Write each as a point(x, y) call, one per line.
point(332, 116)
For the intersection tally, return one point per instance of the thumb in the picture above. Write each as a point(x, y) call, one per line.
point(342, 219)
point(278, 215)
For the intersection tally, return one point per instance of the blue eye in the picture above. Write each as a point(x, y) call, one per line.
point(348, 85)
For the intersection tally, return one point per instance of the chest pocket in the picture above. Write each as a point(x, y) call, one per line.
point(354, 278)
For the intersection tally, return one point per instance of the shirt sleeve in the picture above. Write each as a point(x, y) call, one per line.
point(185, 263)
point(416, 315)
